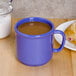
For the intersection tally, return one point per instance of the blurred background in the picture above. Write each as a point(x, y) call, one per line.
point(44, 8)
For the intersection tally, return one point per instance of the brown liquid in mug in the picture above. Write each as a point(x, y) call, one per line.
point(34, 28)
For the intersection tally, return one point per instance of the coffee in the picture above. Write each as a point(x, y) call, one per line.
point(34, 28)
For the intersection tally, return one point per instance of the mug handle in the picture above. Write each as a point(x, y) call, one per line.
point(63, 40)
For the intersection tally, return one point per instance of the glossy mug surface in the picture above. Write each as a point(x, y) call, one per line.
point(36, 50)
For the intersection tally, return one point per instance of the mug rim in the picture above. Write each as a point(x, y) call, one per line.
point(31, 19)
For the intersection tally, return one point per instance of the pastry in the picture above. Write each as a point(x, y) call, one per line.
point(70, 33)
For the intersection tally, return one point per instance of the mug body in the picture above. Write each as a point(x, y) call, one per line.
point(34, 50)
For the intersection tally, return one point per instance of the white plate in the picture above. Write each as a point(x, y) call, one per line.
point(58, 37)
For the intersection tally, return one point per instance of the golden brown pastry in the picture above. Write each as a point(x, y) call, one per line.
point(71, 33)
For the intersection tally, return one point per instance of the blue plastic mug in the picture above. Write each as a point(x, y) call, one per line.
point(36, 50)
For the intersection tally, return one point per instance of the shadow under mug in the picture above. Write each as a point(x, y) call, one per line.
point(36, 50)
